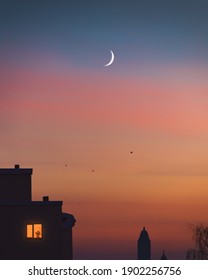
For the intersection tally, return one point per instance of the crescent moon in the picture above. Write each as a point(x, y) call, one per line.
point(112, 59)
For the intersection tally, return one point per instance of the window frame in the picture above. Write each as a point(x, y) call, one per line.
point(34, 231)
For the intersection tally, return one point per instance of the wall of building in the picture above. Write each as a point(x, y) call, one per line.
point(67, 246)
point(14, 243)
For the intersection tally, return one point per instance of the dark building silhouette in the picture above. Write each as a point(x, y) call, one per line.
point(163, 257)
point(144, 246)
point(31, 229)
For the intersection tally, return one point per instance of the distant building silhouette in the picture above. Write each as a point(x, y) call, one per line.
point(144, 246)
point(31, 229)
point(163, 257)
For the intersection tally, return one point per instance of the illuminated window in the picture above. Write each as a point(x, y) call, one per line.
point(34, 231)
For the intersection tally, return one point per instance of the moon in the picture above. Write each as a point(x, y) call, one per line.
point(112, 59)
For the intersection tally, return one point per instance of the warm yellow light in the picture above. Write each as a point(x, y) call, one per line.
point(34, 231)
point(37, 231)
point(29, 231)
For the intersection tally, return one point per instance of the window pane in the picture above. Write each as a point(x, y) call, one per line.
point(29, 231)
point(37, 231)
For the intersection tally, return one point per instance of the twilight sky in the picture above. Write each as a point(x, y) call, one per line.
point(60, 106)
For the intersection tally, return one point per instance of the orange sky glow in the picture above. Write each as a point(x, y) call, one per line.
point(91, 121)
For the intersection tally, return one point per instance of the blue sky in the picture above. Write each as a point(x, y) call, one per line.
point(156, 30)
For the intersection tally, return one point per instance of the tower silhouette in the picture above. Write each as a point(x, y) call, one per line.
point(163, 257)
point(144, 246)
